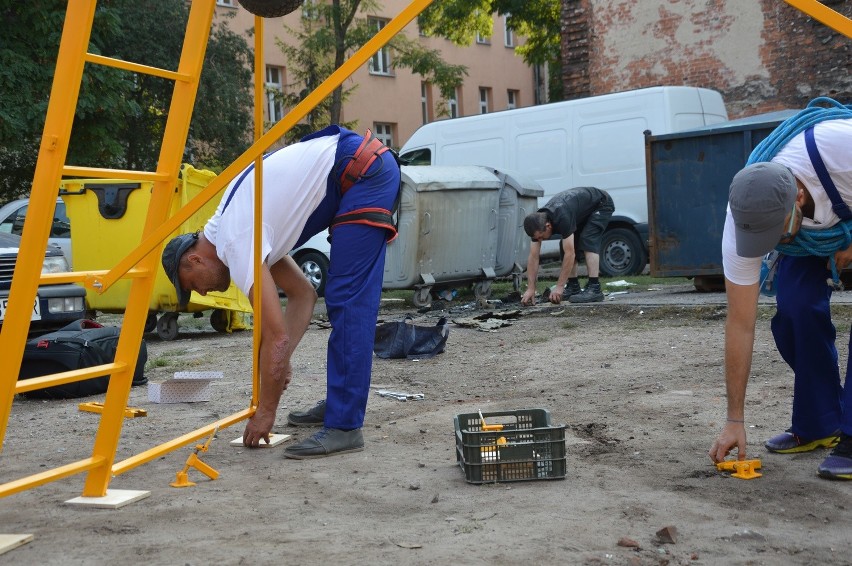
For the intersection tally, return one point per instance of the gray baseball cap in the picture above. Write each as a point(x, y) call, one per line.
point(172, 253)
point(761, 196)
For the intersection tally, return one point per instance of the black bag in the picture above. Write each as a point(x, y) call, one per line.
point(404, 339)
point(81, 344)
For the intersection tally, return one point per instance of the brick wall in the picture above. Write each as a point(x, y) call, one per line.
point(762, 55)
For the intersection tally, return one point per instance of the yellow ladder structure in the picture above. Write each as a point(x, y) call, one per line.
point(140, 265)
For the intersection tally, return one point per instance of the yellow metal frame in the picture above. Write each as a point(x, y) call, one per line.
point(141, 263)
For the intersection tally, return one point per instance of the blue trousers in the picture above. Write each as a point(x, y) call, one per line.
point(805, 336)
point(354, 287)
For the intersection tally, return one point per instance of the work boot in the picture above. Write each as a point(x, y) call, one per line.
point(327, 442)
point(571, 288)
point(789, 443)
point(315, 416)
point(591, 294)
point(838, 466)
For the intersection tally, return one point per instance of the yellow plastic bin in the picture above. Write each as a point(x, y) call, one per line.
point(107, 217)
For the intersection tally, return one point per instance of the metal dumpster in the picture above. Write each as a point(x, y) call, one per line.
point(447, 220)
point(107, 217)
point(689, 174)
point(518, 197)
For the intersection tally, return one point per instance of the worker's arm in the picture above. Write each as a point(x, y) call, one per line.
point(528, 297)
point(280, 334)
point(739, 345)
point(568, 259)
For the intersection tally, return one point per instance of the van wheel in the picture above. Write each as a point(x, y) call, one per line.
point(315, 268)
point(167, 326)
point(621, 253)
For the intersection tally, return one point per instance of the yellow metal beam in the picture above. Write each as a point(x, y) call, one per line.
point(157, 451)
point(136, 67)
point(822, 13)
point(36, 480)
point(71, 376)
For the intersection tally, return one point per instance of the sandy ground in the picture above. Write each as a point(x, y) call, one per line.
point(639, 388)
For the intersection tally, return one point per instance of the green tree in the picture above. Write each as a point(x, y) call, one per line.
point(120, 116)
point(536, 20)
point(329, 32)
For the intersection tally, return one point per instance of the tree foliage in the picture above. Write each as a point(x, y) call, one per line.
point(537, 20)
point(120, 116)
point(328, 33)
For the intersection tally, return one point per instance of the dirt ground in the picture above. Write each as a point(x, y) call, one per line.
point(638, 386)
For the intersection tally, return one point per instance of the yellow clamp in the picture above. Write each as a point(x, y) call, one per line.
point(182, 479)
point(743, 469)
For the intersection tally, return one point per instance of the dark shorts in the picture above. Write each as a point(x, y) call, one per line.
point(590, 234)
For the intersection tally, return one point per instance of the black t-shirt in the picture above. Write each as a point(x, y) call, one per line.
point(570, 209)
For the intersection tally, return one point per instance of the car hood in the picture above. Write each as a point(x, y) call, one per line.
point(10, 244)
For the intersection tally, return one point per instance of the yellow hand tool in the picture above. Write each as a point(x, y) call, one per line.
point(743, 469)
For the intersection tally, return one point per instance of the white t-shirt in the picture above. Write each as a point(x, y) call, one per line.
point(834, 140)
point(294, 184)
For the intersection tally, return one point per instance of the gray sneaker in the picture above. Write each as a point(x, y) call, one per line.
point(591, 294)
point(315, 416)
point(327, 442)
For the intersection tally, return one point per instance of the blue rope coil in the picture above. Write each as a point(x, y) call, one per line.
point(809, 241)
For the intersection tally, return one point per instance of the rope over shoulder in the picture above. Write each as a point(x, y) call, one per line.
point(809, 241)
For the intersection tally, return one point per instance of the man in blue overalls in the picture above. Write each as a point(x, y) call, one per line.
point(333, 179)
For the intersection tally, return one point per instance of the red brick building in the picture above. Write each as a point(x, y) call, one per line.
point(762, 55)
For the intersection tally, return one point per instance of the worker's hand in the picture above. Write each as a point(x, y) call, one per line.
point(843, 258)
point(733, 435)
point(556, 294)
point(258, 427)
point(528, 297)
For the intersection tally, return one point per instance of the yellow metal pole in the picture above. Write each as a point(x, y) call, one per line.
point(822, 13)
point(301, 110)
point(259, 88)
point(51, 158)
point(169, 162)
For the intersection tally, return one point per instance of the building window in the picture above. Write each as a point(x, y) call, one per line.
point(426, 102)
point(380, 62)
point(274, 91)
point(482, 40)
point(484, 100)
point(508, 34)
point(228, 3)
point(512, 98)
point(453, 104)
point(384, 132)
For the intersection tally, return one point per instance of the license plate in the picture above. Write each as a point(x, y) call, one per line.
point(36, 313)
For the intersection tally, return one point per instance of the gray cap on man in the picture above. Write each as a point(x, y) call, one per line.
point(761, 196)
point(172, 253)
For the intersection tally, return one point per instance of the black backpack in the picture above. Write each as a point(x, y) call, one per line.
point(81, 344)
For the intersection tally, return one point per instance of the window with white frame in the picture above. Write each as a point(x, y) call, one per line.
point(508, 34)
point(484, 100)
point(380, 62)
point(483, 40)
point(228, 3)
point(426, 102)
point(384, 132)
point(512, 98)
point(453, 104)
point(310, 10)
point(274, 90)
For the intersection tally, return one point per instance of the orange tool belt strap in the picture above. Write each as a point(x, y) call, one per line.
point(378, 217)
point(369, 150)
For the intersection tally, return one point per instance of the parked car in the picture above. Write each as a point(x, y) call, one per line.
point(313, 258)
point(12, 222)
point(55, 305)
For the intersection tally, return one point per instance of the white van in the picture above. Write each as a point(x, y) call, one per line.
point(597, 141)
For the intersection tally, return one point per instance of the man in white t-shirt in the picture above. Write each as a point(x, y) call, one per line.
point(768, 203)
point(332, 179)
